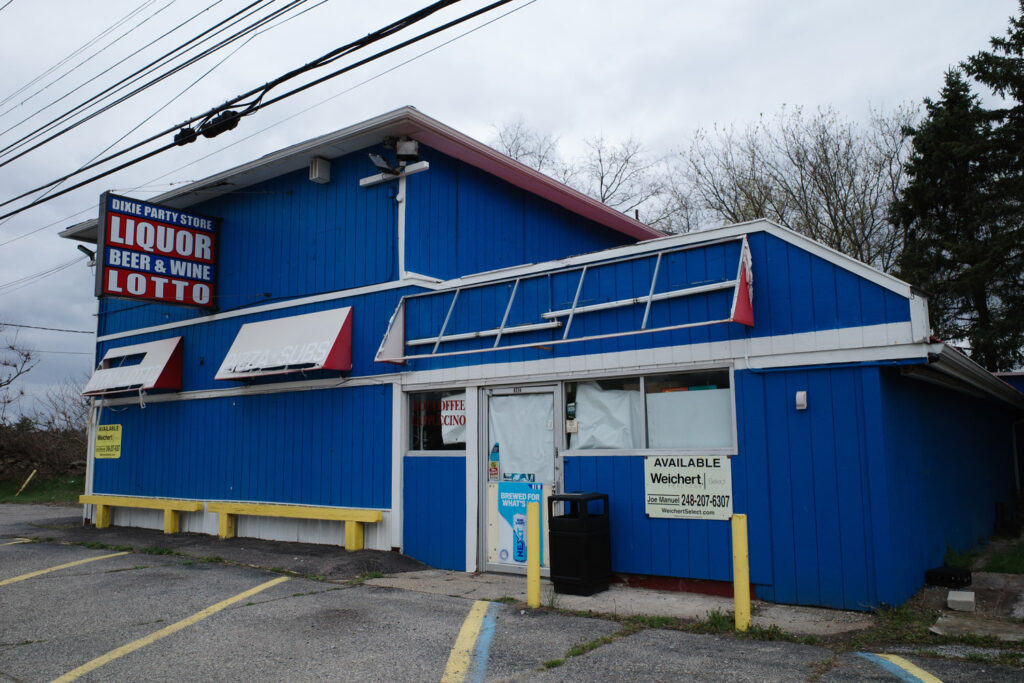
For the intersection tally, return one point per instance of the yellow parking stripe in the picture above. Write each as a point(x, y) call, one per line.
point(911, 668)
point(17, 541)
point(462, 652)
point(166, 631)
point(15, 579)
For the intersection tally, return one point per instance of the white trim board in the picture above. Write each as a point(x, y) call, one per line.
point(276, 306)
point(257, 389)
point(876, 343)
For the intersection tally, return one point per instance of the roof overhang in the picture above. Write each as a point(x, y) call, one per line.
point(406, 121)
point(298, 343)
point(123, 370)
point(957, 365)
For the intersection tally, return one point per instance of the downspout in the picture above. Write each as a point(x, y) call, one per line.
point(1016, 455)
point(400, 200)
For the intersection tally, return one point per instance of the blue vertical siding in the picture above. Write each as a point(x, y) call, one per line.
point(461, 220)
point(288, 237)
point(948, 462)
point(329, 447)
point(434, 511)
point(801, 477)
point(808, 510)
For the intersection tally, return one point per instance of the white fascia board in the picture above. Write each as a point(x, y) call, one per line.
point(758, 353)
point(256, 390)
point(277, 306)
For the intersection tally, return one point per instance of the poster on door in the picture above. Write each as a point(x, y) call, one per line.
point(512, 500)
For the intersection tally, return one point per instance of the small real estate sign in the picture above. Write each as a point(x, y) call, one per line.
point(108, 441)
point(156, 253)
point(688, 486)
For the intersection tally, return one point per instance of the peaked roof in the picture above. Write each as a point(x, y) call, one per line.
point(406, 121)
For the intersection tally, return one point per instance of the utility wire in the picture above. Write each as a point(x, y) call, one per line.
point(78, 50)
point(225, 109)
point(15, 285)
point(133, 78)
point(83, 63)
point(171, 100)
point(48, 329)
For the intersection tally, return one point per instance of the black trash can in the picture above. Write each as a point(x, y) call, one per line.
point(580, 543)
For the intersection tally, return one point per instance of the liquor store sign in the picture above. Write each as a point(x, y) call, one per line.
point(688, 487)
point(156, 253)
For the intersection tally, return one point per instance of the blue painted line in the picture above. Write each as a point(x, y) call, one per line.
point(483, 644)
point(896, 671)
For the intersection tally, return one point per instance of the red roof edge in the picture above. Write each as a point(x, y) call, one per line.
point(460, 146)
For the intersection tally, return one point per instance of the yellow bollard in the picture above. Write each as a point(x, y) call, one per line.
point(740, 572)
point(533, 554)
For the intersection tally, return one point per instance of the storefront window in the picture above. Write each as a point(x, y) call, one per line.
point(437, 421)
point(608, 413)
point(689, 410)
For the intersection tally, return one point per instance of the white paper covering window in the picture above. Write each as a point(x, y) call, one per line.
point(453, 419)
point(607, 418)
point(522, 427)
point(690, 419)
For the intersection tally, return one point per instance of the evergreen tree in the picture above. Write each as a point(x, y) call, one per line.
point(962, 210)
point(1002, 70)
point(947, 212)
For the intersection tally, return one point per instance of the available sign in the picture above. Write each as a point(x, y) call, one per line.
point(688, 487)
point(108, 441)
point(152, 252)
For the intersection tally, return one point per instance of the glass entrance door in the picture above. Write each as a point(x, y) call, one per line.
point(521, 467)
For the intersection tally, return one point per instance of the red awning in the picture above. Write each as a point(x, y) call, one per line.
point(299, 343)
point(140, 367)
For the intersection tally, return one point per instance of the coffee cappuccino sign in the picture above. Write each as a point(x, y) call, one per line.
point(688, 486)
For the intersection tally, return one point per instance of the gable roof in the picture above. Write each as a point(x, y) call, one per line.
point(406, 121)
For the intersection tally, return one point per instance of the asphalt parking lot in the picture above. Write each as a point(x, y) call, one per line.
point(73, 612)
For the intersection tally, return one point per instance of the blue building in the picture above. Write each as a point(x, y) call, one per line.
point(411, 350)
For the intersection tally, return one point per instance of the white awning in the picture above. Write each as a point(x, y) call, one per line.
point(300, 343)
point(153, 365)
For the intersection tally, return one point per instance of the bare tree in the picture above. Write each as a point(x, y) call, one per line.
point(821, 175)
point(532, 148)
point(15, 361)
point(623, 175)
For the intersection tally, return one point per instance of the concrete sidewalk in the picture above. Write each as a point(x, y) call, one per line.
point(620, 600)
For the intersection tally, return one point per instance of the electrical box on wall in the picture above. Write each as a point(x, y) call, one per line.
point(320, 170)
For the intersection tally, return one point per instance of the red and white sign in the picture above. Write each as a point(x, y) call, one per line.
point(152, 252)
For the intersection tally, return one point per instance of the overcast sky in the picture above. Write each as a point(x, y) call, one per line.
point(654, 70)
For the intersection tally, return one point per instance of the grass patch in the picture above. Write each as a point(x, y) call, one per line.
point(506, 600)
point(157, 550)
point(1008, 561)
point(105, 546)
point(964, 560)
point(715, 622)
point(360, 579)
point(584, 648)
point(65, 489)
point(553, 663)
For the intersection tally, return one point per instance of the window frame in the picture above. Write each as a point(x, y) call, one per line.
point(642, 377)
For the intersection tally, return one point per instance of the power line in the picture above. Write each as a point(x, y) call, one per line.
point(166, 104)
point(48, 329)
point(223, 118)
point(127, 81)
point(20, 283)
point(81, 63)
